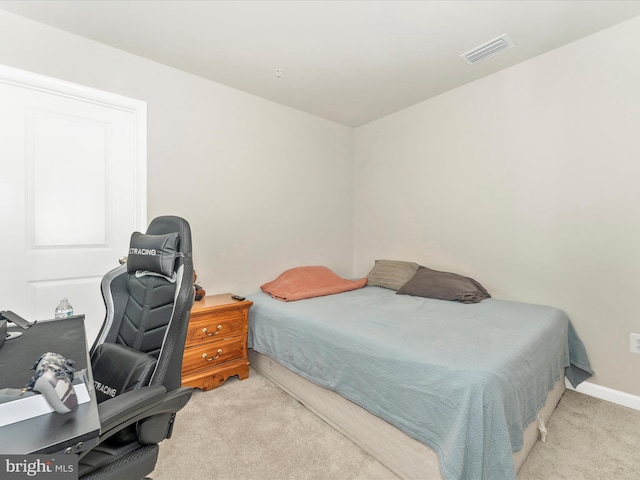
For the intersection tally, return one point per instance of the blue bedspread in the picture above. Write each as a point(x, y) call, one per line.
point(465, 379)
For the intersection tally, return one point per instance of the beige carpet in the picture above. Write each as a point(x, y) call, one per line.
point(251, 429)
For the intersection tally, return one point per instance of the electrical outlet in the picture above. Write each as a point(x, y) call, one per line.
point(634, 343)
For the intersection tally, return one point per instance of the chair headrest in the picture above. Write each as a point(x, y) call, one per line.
point(153, 253)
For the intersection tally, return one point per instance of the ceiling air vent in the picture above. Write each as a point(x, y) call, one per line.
point(488, 50)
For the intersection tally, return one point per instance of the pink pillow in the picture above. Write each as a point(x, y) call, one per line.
point(307, 282)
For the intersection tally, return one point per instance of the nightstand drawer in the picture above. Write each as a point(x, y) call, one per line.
point(213, 353)
point(222, 325)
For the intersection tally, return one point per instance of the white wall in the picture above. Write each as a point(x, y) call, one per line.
point(528, 181)
point(264, 187)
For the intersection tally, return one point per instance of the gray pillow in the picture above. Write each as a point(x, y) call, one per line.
point(444, 286)
point(391, 274)
point(152, 253)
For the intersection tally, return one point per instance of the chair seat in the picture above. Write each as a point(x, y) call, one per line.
point(119, 462)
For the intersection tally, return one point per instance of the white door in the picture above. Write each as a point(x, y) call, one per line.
point(72, 190)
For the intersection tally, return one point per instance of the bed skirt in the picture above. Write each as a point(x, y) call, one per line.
point(403, 455)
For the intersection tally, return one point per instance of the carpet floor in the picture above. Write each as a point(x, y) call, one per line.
point(250, 429)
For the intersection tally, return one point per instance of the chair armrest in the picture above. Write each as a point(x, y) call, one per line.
point(128, 406)
point(159, 424)
point(174, 400)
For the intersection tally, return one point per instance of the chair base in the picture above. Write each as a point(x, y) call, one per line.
point(112, 464)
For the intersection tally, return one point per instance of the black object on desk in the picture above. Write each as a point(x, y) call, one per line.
point(9, 316)
point(53, 432)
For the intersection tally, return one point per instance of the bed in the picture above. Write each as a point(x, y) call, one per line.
point(431, 388)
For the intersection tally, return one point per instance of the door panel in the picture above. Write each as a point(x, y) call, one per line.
point(76, 192)
point(72, 189)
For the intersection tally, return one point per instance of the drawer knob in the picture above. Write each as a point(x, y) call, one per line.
point(209, 359)
point(209, 334)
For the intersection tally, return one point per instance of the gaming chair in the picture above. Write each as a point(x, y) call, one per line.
point(137, 357)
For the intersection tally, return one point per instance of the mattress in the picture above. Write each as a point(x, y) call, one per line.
point(464, 379)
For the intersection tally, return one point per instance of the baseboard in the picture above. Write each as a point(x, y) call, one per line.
point(608, 394)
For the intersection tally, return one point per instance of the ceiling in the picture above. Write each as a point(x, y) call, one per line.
point(347, 61)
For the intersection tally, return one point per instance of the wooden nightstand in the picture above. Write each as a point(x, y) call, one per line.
point(216, 345)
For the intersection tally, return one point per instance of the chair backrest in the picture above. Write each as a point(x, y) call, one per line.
point(148, 301)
